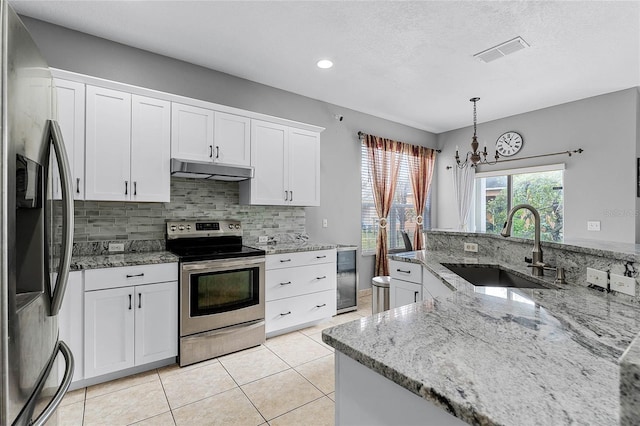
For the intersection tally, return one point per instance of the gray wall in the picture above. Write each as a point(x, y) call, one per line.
point(600, 184)
point(340, 161)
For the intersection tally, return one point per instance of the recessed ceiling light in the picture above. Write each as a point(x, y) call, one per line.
point(324, 63)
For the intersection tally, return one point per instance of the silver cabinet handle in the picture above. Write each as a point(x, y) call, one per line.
point(415, 296)
point(136, 275)
point(291, 196)
point(60, 286)
point(404, 272)
point(320, 257)
point(285, 260)
point(286, 195)
point(285, 314)
point(77, 185)
point(321, 306)
point(129, 302)
point(62, 389)
point(135, 188)
point(217, 152)
point(126, 187)
point(210, 151)
point(321, 278)
point(287, 283)
point(139, 300)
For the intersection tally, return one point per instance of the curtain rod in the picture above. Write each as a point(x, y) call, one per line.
point(569, 153)
point(361, 134)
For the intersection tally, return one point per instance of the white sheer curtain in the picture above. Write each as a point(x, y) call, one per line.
point(463, 180)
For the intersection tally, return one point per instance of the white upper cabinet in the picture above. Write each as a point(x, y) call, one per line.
point(304, 167)
point(70, 116)
point(287, 166)
point(150, 149)
point(232, 139)
point(201, 134)
point(192, 132)
point(128, 141)
point(108, 142)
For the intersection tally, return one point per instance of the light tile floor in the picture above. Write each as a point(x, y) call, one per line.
point(287, 381)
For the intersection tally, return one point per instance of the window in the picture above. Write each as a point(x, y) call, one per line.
point(542, 187)
point(402, 215)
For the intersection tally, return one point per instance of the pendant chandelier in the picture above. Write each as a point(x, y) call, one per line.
point(475, 157)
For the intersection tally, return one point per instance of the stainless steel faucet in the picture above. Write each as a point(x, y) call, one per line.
point(537, 266)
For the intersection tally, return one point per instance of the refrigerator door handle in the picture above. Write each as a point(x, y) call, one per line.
point(67, 216)
point(62, 389)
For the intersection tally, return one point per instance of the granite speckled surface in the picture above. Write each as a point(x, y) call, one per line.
point(501, 356)
point(630, 385)
point(79, 263)
point(293, 247)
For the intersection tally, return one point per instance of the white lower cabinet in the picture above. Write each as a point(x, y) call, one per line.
point(300, 288)
point(71, 322)
point(404, 293)
point(128, 326)
point(406, 283)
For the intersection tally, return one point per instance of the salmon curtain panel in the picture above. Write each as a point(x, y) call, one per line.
point(420, 161)
point(384, 164)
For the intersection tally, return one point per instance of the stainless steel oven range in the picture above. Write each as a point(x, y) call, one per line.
point(221, 289)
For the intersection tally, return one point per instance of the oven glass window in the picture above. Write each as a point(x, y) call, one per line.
point(216, 292)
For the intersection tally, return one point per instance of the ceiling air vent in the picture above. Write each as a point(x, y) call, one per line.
point(504, 49)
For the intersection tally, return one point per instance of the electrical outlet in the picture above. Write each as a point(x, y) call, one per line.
point(626, 285)
point(593, 225)
point(324, 223)
point(473, 247)
point(596, 277)
point(263, 239)
point(115, 247)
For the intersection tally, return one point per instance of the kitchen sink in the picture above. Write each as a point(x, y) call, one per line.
point(491, 276)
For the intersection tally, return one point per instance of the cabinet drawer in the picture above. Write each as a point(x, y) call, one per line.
point(99, 279)
point(293, 311)
point(406, 271)
point(288, 260)
point(288, 282)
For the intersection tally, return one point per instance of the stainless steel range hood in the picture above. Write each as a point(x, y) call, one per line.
point(205, 170)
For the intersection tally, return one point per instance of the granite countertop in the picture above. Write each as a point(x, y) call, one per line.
point(293, 247)
point(79, 263)
point(505, 356)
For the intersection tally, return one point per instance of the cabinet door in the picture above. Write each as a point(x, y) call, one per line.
point(156, 328)
point(70, 113)
point(268, 148)
point(71, 322)
point(109, 338)
point(304, 168)
point(403, 293)
point(150, 149)
point(232, 139)
point(108, 142)
point(191, 133)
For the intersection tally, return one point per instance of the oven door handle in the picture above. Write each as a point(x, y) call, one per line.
point(223, 264)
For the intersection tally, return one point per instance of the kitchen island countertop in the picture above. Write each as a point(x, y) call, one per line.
point(498, 356)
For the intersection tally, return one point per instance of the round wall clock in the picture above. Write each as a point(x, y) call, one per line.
point(509, 143)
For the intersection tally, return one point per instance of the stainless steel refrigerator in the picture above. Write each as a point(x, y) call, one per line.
point(36, 233)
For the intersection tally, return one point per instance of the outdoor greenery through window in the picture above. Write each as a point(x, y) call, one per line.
point(496, 195)
point(402, 215)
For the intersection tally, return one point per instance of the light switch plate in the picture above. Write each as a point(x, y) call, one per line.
point(626, 285)
point(263, 239)
point(116, 247)
point(597, 277)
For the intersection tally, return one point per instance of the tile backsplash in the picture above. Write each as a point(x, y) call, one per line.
point(190, 198)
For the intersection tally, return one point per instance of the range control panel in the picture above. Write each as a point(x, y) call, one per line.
point(202, 228)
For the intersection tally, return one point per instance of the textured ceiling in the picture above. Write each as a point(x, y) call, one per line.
point(409, 62)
